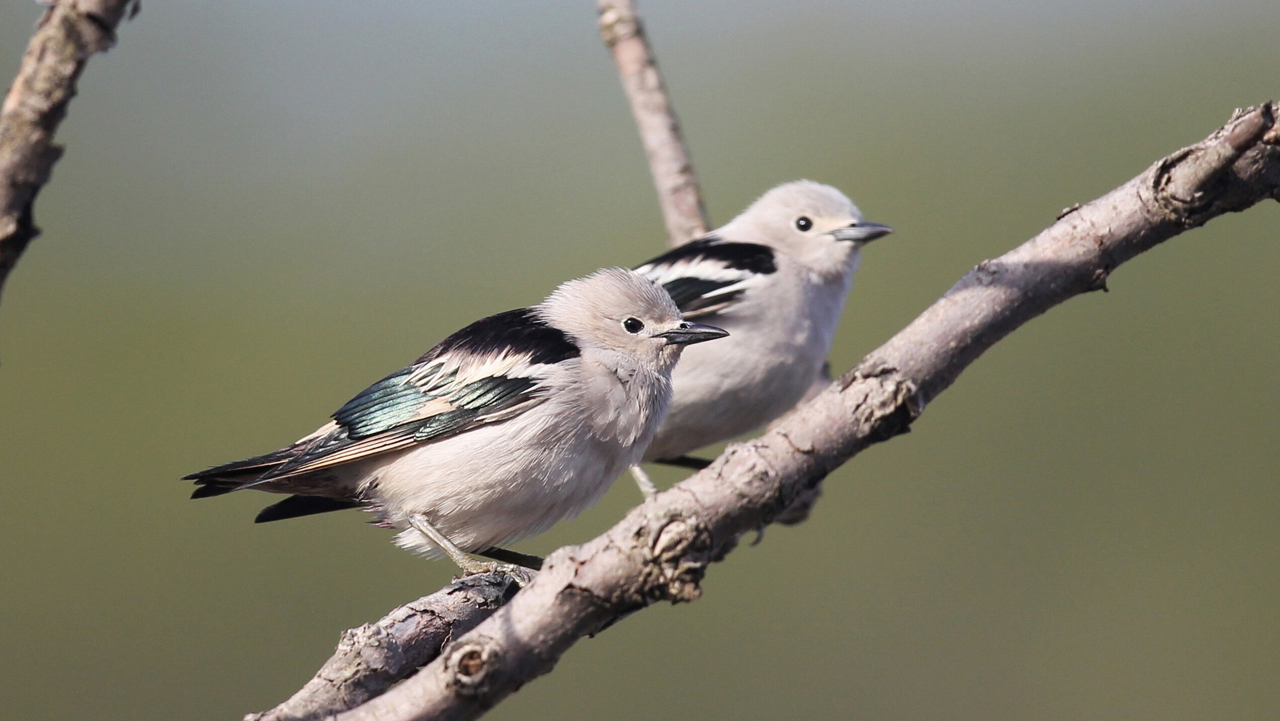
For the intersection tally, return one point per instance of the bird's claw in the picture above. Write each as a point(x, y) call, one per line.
point(521, 575)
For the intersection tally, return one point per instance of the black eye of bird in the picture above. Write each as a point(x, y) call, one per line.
point(633, 325)
point(803, 224)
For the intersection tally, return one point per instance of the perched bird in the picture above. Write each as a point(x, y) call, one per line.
point(776, 278)
point(504, 428)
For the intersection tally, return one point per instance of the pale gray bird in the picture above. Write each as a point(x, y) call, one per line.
point(511, 424)
point(776, 278)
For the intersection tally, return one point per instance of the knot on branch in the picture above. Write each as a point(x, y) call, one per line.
point(890, 404)
point(90, 34)
point(1221, 173)
point(88, 26)
point(681, 551)
point(471, 666)
point(680, 548)
point(871, 367)
point(618, 22)
point(987, 272)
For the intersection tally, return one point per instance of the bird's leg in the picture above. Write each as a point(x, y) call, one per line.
point(469, 565)
point(642, 479)
point(691, 462)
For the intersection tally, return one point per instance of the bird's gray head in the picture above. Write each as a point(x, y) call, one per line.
point(812, 223)
point(616, 310)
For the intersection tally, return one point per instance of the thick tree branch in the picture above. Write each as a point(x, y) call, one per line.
point(660, 550)
point(69, 32)
point(682, 208)
point(374, 656)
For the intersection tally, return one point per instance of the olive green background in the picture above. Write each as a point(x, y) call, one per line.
point(264, 207)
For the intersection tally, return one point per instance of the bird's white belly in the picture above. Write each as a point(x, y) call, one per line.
point(505, 483)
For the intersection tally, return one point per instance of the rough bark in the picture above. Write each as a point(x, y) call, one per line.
point(69, 32)
point(682, 208)
point(374, 656)
point(660, 550)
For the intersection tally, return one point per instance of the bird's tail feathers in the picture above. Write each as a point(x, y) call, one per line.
point(241, 474)
point(296, 506)
point(209, 489)
point(256, 466)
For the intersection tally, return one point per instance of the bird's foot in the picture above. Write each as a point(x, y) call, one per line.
point(470, 566)
point(521, 575)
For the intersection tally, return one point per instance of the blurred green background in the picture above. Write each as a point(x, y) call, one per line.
point(265, 207)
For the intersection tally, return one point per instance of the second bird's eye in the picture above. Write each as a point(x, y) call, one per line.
point(803, 224)
point(633, 325)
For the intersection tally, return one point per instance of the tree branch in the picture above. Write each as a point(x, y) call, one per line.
point(660, 550)
point(65, 37)
point(374, 656)
point(682, 208)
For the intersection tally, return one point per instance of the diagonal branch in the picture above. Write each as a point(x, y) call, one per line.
point(373, 657)
point(660, 550)
point(682, 208)
point(69, 32)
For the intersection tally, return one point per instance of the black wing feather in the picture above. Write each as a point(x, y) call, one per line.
point(515, 331)
point(697, 296)
point(751, 257)
point(690, 294)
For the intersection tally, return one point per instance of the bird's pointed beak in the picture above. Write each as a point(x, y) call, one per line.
point(863, 232)
point(689, 333)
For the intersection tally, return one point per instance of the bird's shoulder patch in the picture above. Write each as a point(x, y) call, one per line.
point(518, 331)
point(706, 276)
point(749, 257)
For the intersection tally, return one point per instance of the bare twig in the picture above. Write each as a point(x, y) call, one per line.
point(660, 550)
point(682, 207)
point(69, 32)
point(374, 656)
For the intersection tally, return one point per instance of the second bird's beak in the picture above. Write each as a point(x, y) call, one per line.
point(863, 232)
point(689, 333)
